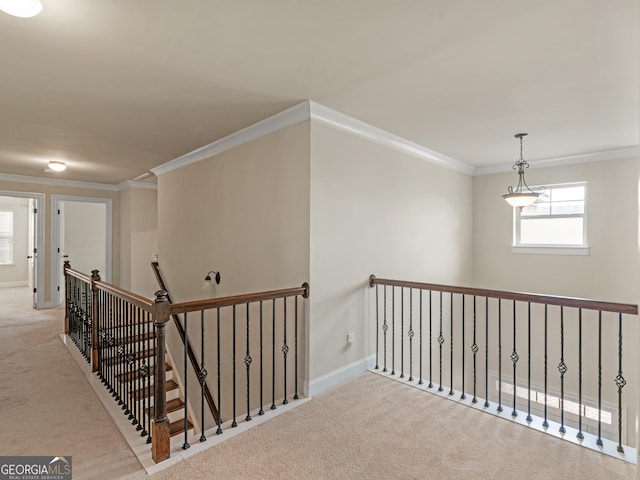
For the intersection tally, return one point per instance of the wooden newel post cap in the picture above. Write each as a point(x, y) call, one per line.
point(67, 264)
point(162, 296)
point(95, 275)
point(372, 279)
point(305, 285)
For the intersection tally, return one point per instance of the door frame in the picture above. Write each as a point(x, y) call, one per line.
point(38, 240)
point(56, 266)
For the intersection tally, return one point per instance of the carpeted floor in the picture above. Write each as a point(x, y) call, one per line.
point(370, 428)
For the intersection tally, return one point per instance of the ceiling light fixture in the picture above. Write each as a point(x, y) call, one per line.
point(522, 195)
point(57, 166)
point(21, 8)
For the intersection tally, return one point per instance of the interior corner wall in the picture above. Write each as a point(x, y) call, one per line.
point(46, 253)
point(376, 211)
point(138, 239)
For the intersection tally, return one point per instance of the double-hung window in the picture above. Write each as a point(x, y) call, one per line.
point(555, 223)
point(6, 238)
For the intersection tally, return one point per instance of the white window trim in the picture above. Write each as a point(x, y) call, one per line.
point(546, 249)
point(10, 237)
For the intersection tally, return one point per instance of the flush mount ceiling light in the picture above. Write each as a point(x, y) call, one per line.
point(57, 166)
point(21, 8)
point(522, 195)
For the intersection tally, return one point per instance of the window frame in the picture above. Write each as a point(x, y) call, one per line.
point(553, 249)
point(9, 236)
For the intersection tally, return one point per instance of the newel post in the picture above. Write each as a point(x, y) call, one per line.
point(95, 322)
point(67, 265)
point(160, 432)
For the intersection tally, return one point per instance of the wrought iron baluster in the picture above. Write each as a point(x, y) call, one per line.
point(499, 355)
point(185, 347)
point(599, 440)
point(474, 349)
point(420, 382)
point(562, 368)
point(285, 349)
point(430, 341)
point(273, 355)
point(545, 423)
point(233, 360)
point(451, 345)
point(410, 334)
point(462, 395)
point(295, 396)
point(440, 342)
point(377, 325)
point(202, 377)
point(514, 358)
point(219, 429)
point(620, 383)
point(486, 352)
point(401, 332)
point(247, 361)
point(580, 435)
point(385, 327)
point(529, 417)
point(261, 411)
point(393, 330)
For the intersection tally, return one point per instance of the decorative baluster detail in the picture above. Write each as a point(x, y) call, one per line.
point(514, 358)
point(247, 361)
point(377, 325)
point(462, 395)
point(562, 368)
point(401, 332)
point(599, 440)
point(486, 352)
point(440, 342)
point(451, 345)
point(529, 417)
point(234, 423)
point(620, 383)
point(261, 412)
point(219, 430)
point(580, 435)
point(385, 327)
point(474, 349)
point(410, 333)
point(420, 382)
point(285, 350)
point(202, 377)
point(185, 347)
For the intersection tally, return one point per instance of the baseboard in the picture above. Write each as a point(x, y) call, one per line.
point(339, 376)
point(14, 284)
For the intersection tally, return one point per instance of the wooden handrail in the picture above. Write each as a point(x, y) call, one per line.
point(517, 296)
point(137, 300)
point(192, 357)
point(220, 302)
point(79, 275)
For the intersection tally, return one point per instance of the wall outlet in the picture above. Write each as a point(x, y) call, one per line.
point(351, 338)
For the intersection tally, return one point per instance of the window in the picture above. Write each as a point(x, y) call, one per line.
point(556, 220)
point(6, 238)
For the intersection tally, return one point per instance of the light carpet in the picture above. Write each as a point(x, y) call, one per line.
point(369, 428)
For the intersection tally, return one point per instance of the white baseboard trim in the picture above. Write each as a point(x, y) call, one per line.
point(20, 283)
point(339, 376)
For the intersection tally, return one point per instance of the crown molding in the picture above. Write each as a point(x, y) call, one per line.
point(57, 182)
point(603, 155)
point(292, 116)
point(378, 135)
point(135, 184)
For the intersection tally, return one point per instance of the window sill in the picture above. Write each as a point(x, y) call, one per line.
point(551, 249)
point(7, 264)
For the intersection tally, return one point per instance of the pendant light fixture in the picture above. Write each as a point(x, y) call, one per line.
point(21, 8)
point(522, 195)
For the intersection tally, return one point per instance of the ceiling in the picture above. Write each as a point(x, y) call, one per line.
point(116, 87)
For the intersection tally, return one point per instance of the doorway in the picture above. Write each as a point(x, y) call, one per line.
point(21, 235)
point(82, 232)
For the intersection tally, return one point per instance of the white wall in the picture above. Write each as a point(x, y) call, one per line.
point(17, 274)
point(375, 210)
point(85, 235)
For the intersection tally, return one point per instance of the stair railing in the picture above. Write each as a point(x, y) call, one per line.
point(460, 341)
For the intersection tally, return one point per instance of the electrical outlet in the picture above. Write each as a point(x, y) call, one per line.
point(351, 338)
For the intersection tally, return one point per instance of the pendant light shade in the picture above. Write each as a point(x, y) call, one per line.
point(21, 8)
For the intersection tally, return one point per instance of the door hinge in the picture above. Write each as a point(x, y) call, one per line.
point(58, 211)
point(58, 287)
point(35, 250)
point(34, 290)
point(35, 210)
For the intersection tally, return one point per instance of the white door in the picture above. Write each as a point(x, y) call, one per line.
point(32, 257)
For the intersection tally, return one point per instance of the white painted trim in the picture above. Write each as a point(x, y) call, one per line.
point(287, 118)
point(134, 184)
point(378, 135)
point(551, 250)
point(19, 283)
point(57, 182)
point(614, 154)
point(339, 376)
